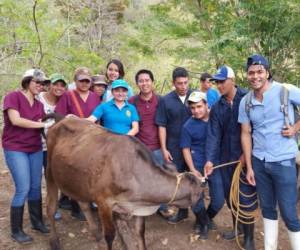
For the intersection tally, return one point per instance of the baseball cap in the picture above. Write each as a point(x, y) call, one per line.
point(120, 83)
point(83, 73)
point(37, 74)
point(197, 96)
point(99, 79)
point(223, 73)
point(57, 77)
point(257, 60)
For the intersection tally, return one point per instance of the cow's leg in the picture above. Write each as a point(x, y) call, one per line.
point(85, 207)
point(139, 227)
point(106, 217)
point(52, 195)
point(118, 225)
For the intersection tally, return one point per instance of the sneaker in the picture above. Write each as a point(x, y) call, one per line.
point(180, 216)
point(57, 216)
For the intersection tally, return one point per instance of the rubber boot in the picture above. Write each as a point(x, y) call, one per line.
point(271, 234)
point(294, 240)
point(231, 235)
point(201, 224)
point(76, 211)
point(36, 216)
point(16, 223)
point(249, 236)
point(180, 216)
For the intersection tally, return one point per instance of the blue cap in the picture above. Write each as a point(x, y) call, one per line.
point(120, 83)
point(257, 60)
point(223, 73)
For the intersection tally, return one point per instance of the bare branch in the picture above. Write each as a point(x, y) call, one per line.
point(37, 32)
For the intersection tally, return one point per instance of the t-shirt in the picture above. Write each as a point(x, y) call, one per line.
point(193, 136)
point(107, 96)
point(148, 130)
point(66, 105)
point(212, 96)
point(15, 138)
point(48, 109)
point(117, 120)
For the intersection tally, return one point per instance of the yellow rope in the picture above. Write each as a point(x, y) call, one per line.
point(237, 209)
point(179, 177)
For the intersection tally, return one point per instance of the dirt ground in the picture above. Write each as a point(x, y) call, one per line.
point(159, 234)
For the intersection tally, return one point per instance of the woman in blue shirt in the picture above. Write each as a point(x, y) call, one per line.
point(117, 114)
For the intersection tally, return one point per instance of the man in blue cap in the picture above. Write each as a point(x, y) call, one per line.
point(223, 145)
point(270, 148)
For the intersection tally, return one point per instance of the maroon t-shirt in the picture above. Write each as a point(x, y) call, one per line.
point(66, 105)
point(15, 138)
point(148, 130)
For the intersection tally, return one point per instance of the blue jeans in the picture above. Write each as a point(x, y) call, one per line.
point(276, 182)
point(158, 156)
point(26, 171)
point(216, 195)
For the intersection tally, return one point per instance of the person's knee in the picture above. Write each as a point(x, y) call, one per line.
point(270, 214)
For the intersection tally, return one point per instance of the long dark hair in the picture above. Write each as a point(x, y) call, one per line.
point(119, 65)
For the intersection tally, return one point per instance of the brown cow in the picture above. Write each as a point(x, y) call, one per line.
point(117, 172)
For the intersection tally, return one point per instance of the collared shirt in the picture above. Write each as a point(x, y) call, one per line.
point(223, 143)
point(193, 136)
point(117, 120)
point(172, 114)
point(148, 130)
point(267, 123)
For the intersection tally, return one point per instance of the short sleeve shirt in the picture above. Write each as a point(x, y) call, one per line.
point(66, 105)
point(267, 122)
point(193, 136)
point(117, 120)
point(16, 138)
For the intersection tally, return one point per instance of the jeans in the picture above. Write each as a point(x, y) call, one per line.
point(158, 156)
point(276, 182)
point(216, 195)
point(26, 171)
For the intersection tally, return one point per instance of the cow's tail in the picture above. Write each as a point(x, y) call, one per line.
point(57, 117)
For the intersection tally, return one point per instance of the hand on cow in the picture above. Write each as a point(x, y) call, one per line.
point(167, 156)
point(49, 123)
point(197, 174)
point(288, 131)
point(71, 116)
point(250, 176)
point(208, 168)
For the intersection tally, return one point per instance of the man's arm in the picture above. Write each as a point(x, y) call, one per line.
point(162, 133)
point(246, 140)
point(189, 161)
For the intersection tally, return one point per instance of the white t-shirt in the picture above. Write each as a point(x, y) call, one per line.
point(48, 108)
point(182, 98)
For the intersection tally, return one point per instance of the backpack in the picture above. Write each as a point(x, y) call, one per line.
point(284, 102)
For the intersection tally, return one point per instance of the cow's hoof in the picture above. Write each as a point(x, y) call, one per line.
point(54, 244)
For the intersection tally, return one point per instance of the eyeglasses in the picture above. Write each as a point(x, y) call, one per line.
point(220, 82)
point(84, 81)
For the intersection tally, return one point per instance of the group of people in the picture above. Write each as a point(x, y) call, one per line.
point(195, 130)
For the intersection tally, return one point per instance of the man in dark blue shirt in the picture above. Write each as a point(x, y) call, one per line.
point(171, 114)
point(223, 144)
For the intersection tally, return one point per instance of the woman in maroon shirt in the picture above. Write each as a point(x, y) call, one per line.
point(22, 146)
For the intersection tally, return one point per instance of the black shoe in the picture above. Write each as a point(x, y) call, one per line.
point(36, 216)
point(180, 216)
point(231, 235)
point(16, 222)
point(249, 237)
point(201, 224)
point(64, 202)
point(212, 225)
point(76, 211)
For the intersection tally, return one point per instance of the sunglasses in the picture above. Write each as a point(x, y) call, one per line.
point(84, 81)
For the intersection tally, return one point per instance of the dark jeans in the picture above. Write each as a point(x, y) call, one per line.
point(276, 182)
point(26, 171)
point(216, 195)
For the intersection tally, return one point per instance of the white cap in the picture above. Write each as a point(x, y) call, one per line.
point(197, 96)
point(37, 74)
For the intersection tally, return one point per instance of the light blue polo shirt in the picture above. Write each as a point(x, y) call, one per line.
point(267, 122)
point(117, 120)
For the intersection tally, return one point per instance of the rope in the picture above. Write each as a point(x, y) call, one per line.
point(179, 177)
point(239, 210)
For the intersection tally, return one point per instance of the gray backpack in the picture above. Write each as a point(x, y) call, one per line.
point(284, 101)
